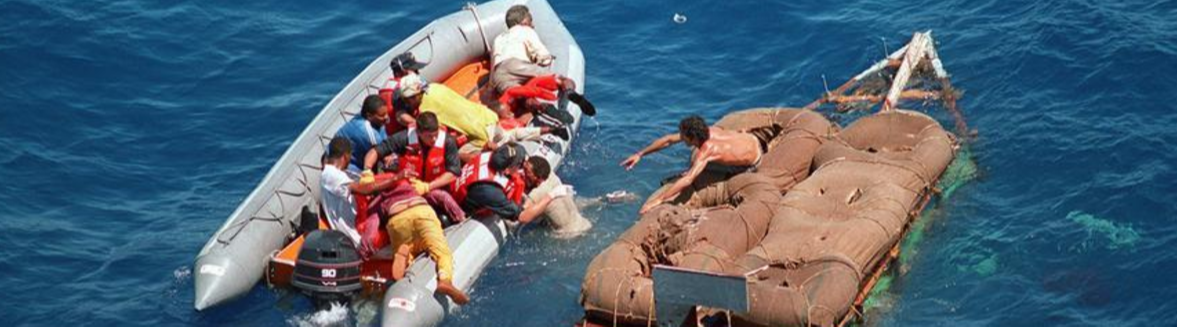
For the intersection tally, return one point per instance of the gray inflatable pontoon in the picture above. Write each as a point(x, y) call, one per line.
point(234, 259)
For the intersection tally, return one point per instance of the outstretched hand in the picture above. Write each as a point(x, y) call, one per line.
point(631, 161)
point(367, 177)
point(407, 174)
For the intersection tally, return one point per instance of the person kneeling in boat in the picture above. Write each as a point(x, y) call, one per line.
point(475, 121)
point(735, 152)
point(497, 183)
point(520, 57)
point(402, 65)
point(338, 188)
point(365, 130)
point(427, 150)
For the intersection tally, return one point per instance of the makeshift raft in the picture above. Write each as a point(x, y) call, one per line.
point(807, 233)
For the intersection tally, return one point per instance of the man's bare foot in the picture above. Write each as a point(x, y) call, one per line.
point(454, 293)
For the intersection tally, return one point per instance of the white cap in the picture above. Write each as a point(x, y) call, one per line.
point(410, 85)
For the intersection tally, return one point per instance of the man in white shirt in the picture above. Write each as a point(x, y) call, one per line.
point(338, 186)
point(520, 56)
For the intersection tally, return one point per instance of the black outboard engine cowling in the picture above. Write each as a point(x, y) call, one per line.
point(328, 267)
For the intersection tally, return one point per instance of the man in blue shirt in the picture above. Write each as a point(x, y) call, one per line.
point(365, 130)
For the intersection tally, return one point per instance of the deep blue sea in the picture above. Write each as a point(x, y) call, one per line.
point(131, 129)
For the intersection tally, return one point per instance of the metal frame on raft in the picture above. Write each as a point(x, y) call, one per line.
point(912, 73)
point(919, 55)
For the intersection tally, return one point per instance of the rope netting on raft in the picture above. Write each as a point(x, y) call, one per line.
point(818, 221)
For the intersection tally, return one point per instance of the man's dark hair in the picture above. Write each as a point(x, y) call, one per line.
point(427, 122)
point(694, 128)
point(540, 166)
point(338, 147)
point(506, 156)
point(517, 14)
point(371, 104)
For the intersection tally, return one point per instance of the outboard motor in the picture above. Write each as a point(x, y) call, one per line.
point(328, 267)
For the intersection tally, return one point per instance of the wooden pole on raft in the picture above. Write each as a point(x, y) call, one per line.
point(906, 95)
point(890, 61)
point(917, 50)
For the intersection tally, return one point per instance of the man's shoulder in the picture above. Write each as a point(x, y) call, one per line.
point(334, 176)
point(450, 142)
point(484, 189)
point(351, 125)
point(524, 29)
point(399, 136)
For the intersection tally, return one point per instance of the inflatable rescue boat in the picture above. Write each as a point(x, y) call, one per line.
point(261, 237)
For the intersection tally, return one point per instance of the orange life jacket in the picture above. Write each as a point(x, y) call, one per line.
point(479, 171)
point(432, 164)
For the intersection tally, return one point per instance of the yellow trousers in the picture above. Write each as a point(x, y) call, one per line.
point(417, 230)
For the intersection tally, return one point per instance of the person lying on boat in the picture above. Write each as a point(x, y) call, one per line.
point(520, 56)
point(427, 150)
point(733, 152)
point(401, 66)
point(473, 120)
point(520, 104)
point(496, 183)
point(338, 188)
point(415, 229)
point(365, 130)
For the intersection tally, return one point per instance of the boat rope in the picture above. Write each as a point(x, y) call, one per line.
point(474, 10)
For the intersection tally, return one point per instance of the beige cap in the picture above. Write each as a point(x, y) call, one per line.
point(410, 85)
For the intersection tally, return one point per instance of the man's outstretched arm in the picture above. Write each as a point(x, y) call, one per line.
point(659, 144)
point(679, 185)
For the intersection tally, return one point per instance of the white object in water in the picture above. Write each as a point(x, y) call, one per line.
point(679, 18)
point(620, 196)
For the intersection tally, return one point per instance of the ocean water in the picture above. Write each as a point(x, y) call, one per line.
point(132, 128)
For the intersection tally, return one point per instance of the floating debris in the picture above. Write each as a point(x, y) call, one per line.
point(679, 18)
point(619, 196)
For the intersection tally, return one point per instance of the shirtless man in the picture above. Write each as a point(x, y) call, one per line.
point(739, 151)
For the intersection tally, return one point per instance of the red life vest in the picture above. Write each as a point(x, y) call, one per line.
point(387, 94)
point(432, 164)
point(478, 171)
point(541, 87)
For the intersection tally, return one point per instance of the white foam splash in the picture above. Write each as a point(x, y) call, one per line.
point(182, 273)
point(336, 315)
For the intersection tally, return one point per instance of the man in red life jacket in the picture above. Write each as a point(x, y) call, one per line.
point(402, 115)
point(428, 153)
point(496, 183)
